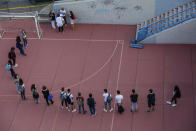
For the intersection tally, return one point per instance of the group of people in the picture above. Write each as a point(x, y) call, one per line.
point(66, 97)
point(60, 20)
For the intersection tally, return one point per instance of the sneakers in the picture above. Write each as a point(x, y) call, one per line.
point(15, 65)
point(104, 110)
point(168, 102)
point(174, 105)
point(111, 109)
point(74, 110)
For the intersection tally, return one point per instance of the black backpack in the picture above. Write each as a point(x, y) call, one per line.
point(120, 109)
point(68, 99)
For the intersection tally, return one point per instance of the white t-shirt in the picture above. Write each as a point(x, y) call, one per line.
point(59, 21)
point(105, 95)
point(62, 13)
point(119, 99)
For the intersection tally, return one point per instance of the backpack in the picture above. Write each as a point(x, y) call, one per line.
point(68, 99)
point(91, 102)
point(79, 101)
point(120, 109)
point(8, 67)
point(74, 17)
point(35, 94)
point(109, 98)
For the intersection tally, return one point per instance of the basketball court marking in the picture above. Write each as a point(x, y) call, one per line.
point(117, 86)
point(92, 75)
point(55, 39)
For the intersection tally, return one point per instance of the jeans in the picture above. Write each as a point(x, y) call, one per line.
point(22, 51)
point(79, 108)
point(12, 72)
point(134, 105)
point(36, 100)
point(22, 93)
point(25, 42)
point(92, 110)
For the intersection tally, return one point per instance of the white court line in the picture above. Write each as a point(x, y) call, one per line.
point(87, 78)
point(66, 39)
point(117, 86)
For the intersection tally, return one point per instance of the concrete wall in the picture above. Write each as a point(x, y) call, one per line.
point(117, 11)
point(184, 33)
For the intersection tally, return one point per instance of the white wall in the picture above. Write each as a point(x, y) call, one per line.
point(184, 33)
point(110, 11)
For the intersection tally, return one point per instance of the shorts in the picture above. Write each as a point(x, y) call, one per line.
point(107, 103)
point(151, 103)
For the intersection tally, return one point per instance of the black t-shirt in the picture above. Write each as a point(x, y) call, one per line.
point(45, 93)
point(133, 97)
point(151, 97)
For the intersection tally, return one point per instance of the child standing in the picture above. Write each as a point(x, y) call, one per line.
point(16, 81)
point(12, 56)
point(46, 93)
point(22, 89)
point(10, 68)
point(24, 38)
point(176, 94)
point(70, 100)
point(52, 16)
point(20, 46)
point(91, 104)
point(72, 17)
point(107, 100)
point(36, 96)
point(151, 100)
point(80, 102)
point(63, 15)
point(134, 104)
point(62, 98)
point(119, 99)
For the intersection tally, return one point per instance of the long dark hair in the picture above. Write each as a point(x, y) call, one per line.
point(71, 14)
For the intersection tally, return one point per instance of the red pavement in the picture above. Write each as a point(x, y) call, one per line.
point(89, 59)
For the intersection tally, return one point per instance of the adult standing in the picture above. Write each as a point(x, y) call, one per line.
point(176, 94)
point(91, 104)
point(63, 15)
point(24, 38)
point(12, 56)
point(59, 22)
point(52, 16)
point(80, 102)
point(63, 97)
point(9, 67)
point(70, 100)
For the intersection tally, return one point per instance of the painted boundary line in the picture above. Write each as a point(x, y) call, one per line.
point(55, 39)
point(117, 86)
point(90, 76)
point(23, 7)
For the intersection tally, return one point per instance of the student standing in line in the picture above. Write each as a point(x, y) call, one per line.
point(22, 89)
point(10, 68)
point(16, 81)
point(46, 93)
point(24, 38)
point(91, 104)
point(70, 101)
point(52, 16)
point(80, 102)
point(12, 56)
point(59, 22)
point(72, 17)
point(20, 46)
point(107, 100)
point(119, 99)
point(176, 94)
point(134, 104)
point(36, 96)
point(63, 97)
point(63, 15)
point(151, 100)
point(33, 88)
